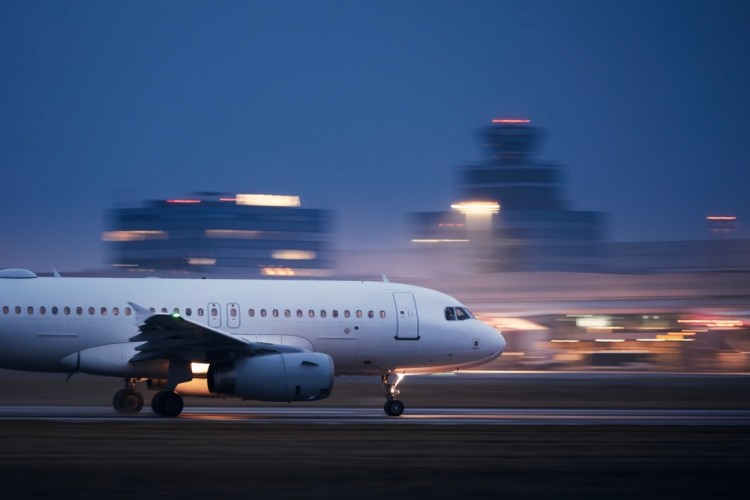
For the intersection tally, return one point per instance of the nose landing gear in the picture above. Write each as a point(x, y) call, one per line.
point(393, 407)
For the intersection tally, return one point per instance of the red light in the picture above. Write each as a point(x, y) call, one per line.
point(511, 120)
point(721, 217)
point(183, 201)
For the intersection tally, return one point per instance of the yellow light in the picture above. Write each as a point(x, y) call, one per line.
point(202, 261)
point(293, 255)
point(564, 341)
point(609, 340)
point(134, 235)
point(277, 271)
point(199, 368)
point(268, 200)
point(477, 207)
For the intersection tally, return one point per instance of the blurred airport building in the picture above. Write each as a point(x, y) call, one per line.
point(244, 235)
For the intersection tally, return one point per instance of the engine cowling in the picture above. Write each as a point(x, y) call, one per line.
point(297, 376)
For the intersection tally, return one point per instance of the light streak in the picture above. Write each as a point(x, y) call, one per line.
point(477, 207)
point(268, 200)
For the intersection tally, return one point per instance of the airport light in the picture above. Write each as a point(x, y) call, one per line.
point(477, 207)
point(512, 120)
point(268, 200)
point(293, 254)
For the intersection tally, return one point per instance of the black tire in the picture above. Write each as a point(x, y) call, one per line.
point(127, 401)
point(167, 404)
point(394, 408)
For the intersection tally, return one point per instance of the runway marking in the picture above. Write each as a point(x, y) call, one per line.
point(370, 416)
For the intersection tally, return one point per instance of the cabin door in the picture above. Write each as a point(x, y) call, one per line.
point(406, 313)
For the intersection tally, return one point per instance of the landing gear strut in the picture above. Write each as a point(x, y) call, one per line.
point(128, 401)
point(393, 407)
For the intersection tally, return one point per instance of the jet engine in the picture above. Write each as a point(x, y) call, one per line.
point(296, 376)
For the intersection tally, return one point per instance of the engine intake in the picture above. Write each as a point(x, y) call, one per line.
point(298, 376)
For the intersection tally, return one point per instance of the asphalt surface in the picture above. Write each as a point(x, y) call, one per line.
point(507, 435)
point(300, 415)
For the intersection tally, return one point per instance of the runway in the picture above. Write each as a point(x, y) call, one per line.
point(375, 416)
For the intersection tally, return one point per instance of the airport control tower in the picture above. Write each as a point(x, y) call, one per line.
point(511, 174)
point(535, 229)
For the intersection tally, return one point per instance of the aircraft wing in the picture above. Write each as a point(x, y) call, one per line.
point(168, 336)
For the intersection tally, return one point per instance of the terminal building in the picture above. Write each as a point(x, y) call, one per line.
point(534, 228)
point(244, 235)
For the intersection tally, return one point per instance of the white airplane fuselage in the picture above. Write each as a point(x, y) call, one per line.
point(88, 325)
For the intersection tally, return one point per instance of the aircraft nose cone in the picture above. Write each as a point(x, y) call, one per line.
point(493, 341)
point(500, 342)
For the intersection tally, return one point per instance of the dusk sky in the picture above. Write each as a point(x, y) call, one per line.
point(366, 108)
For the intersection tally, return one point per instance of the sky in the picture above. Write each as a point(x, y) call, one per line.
point(367, 108)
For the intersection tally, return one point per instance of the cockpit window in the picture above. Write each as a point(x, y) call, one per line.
point(457, 313)
point(462, 314)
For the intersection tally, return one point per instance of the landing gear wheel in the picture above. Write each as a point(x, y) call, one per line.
point(167, 404)
point(127, 401)
point(394, 408)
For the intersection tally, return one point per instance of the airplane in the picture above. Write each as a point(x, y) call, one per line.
point(263, 340)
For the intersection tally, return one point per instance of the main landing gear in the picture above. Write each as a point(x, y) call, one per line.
point(128, 401)
point(167, 404)
point(393, 407)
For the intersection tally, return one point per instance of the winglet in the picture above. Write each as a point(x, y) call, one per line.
point(385, 278)
point(141, 313)
point(56, 273)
